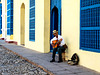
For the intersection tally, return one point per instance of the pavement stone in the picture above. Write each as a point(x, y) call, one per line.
point(63, 72)
point(88, 73)
point(43, 59)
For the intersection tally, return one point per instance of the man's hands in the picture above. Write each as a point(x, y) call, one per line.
point(56, 43)
point(53, 44)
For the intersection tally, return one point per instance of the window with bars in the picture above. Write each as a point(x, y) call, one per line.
point(0, 18)
point(9, 17)
point(32, 21)
point(90, 25)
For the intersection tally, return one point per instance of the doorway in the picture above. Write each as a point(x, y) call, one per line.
point(54, 23)
point(22, 25)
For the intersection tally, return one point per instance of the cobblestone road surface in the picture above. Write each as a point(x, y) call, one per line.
point(11, 64)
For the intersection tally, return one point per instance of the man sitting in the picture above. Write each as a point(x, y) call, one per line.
point(57, 43)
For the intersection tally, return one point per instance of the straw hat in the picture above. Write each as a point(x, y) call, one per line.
point(54, 31)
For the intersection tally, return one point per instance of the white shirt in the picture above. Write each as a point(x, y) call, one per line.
point(59, 37)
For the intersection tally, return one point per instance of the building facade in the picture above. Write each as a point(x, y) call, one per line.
point(32, 21)
point(80, 29)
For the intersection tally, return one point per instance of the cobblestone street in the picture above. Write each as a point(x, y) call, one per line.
point(11, 64)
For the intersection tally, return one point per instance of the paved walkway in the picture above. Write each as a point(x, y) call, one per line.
point(44, 58)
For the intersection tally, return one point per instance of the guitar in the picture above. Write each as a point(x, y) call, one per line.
point(56, 43)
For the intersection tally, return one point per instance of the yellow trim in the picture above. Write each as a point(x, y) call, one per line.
point(11, 37)
point(0, 35)
point(22, 24)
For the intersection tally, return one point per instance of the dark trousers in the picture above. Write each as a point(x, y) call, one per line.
point(60, 50)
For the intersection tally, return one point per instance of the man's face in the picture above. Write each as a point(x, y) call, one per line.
point(55, 34)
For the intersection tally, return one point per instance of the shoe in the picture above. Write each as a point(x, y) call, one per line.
point(52, 61)
point(60, 61)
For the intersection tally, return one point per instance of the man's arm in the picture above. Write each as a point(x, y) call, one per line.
point(51, 42)
point(59, 41)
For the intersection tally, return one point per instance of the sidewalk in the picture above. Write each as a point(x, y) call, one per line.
point(43, 59)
